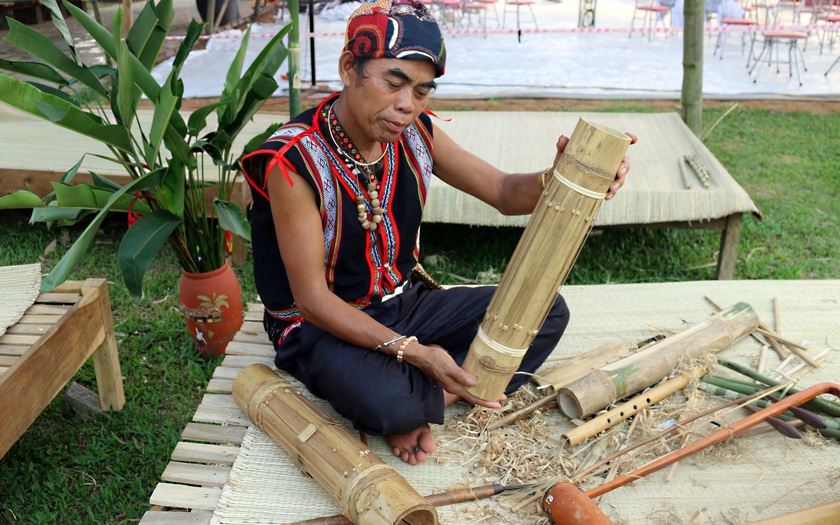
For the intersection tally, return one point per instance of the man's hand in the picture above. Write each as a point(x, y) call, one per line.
point(435, 362)
point(623, 168)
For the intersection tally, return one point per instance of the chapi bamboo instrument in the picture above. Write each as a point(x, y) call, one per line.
point(550, 244)
point(368, 491)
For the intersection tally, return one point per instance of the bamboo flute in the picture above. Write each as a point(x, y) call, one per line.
point(627, 376)
point(552, 240)
point(627, 410)
point(365, 488)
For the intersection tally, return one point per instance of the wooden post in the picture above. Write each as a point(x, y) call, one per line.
point(106, 361)
point(365, 488)
point(627, 376)
point(728, 254)
point(692, 86)
point(552, 240)
point(294, 59)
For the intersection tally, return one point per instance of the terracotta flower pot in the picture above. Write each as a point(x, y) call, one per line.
point(211, 303)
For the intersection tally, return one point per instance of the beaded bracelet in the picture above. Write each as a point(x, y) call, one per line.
point(403, 346)
point(388, 343)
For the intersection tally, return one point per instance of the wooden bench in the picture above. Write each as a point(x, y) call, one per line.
point(48, 345)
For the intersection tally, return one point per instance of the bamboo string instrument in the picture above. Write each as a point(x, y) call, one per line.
point(366, 489)
point(549, 246)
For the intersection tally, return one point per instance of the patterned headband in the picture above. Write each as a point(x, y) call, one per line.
point(398, 29)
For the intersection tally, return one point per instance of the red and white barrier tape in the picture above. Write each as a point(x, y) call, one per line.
point(573, 30)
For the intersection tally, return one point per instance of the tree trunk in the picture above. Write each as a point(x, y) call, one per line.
point(692, 88)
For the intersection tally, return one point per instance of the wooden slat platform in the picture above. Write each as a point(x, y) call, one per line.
point(47, 346)
point(191, 483)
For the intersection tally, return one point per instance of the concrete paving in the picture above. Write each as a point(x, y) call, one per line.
point(553, 60)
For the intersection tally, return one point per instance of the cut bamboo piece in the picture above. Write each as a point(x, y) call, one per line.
point(573, 369)
point(552, 240)
point(367, 490)
point(627, 376)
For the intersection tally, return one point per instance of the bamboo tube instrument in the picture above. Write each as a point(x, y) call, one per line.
point(567, 506)
point(368, 491)
point(550, 244)
point(627, 376)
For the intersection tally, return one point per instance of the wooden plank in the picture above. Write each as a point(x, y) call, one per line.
point(207, 433)
point(205, 453)
point(31, 318)
point(263, 349)
point(255, 327)
point(252, 337)
point(159, 517)
point(7, 361)
point(218, 401)
point(196, 474)
point(221, 415)
point(28, 329)
point(185, 497)
point(15, 339)
point(13, 349)
point(58, 298)
point(224, 372)
point(241, 361)
point(47, 309)
point(220, 386)
point(3, 370)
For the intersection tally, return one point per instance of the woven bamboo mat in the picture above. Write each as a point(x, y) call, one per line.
point(763, 476)
point(654, 192)
point(19, 287)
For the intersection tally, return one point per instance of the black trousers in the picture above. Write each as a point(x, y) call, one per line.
point(381, 396)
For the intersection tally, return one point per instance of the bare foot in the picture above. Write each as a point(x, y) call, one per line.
point(414, 446)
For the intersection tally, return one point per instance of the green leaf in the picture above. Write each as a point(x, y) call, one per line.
point(148, 32)
point(101, 182)
point(165, 107)
point(232, 219)
point(232, 83)
point(198, 119)
point(49, 214)
point(140, 244)
point(194, 31)
point(43, 88)
point(174, 186)
point(101, 35)
point(62, 270)
point(42, 47)
point(259, 140)
point(34, 70)
point(21, 200)
point(88, 197)
point(87, 124)
point(61, 25)
point(128, 94)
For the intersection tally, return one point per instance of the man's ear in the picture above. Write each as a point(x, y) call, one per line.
point(346, 71)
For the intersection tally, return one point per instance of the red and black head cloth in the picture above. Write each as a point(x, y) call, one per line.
point(399, 29)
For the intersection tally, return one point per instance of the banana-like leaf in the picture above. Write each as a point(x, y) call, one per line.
point(232, 83)
point(140, 244)
point(61, 25)
point(62, 270)
point(87, 197)
point(61, 216)
point(87, 124)
point(128, 95)
point(232, 219)
point(258, 140)
point(198, 119)
point(174, 187)
point(148, 32)
point(23, 96)
point(102, 36)
point(21, 200)
point(42, 47)
point(194, 31)
point(34, 70)
point(102, 182)
point(250, 103)
point(165, 107)
point(43, 88)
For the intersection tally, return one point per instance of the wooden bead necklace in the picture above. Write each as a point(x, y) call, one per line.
point(364, 171)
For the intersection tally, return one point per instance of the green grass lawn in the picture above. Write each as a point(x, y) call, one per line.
point(69, 470)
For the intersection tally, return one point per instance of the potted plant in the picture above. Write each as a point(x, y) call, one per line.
point(180, 170)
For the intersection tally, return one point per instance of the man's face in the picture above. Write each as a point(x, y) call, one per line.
point(388, 97)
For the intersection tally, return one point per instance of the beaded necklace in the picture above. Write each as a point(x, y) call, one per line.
point(364, 171)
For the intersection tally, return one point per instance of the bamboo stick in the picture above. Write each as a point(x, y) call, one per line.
point(627, 376)
point(552, 240)
point(825, 406)
point(366, 489)
point(763, 340)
